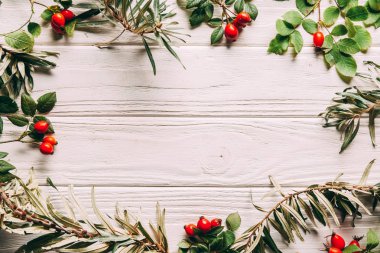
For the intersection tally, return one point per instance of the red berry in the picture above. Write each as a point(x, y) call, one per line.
point(189, 229)
point(50, 139)
point(216, 222)
point(46, 148)
point(243, 18)
point(356, 243)
point(58, 19)
point(238, 25)
point(318, 39)
point(334, 250)
point(231, 32)
point(337, 241)
point(41, 126)
point(69, 15)
point(204, 224)
point(57, 28)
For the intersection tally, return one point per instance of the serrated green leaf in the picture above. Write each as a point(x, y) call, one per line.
point(339, 30)
point(217, 35)
point(330, 15)
point(194, 3)
point(279, 45)
point(18, 120)
point(233, 221)
point(239, 6)
point(46, 102)
point(297, 41)
point(293, 17)
point(20, 40)
point(348, 46)
point(197, 17)
point(34, 29)
point(357, 13)
point(28, 105)
point(284, 28)
point(7, 105)
point(251, 9)
point(310, 26)
point(304, 7)
point(363, 38)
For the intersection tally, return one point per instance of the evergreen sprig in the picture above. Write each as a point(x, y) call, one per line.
point(349, 108)
point(340, 21)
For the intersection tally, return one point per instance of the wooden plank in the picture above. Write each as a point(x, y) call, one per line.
point(184, 205)
point(192, 152)
point(13, 14)
point(119, 82)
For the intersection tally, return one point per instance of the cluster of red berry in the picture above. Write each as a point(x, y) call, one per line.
point(338, 244)
point(231, 31)
point(58, 20)
point(48, 142)
point(203, 225)
point(318, 39)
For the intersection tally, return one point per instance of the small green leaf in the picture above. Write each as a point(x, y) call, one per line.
point(372, 240)
point(339, 30)
point(348, 46)
point(284, 28)
point(304, 7)
point(194, 3)
point(239, 6)
point(350, 27)
point(18, 120)
point(7, 105)
point(342, 3)
point(346, 66)
point(328, 42)
point(6, 177)
point(310, 26)
point(279, 45)
point(352, 249)
point(5, 166)
point(374, 4)
point(297, 41)
point(209, 10)
point(184, 244)
point(251, 9)
point(46, 15)
point(362, 37)
point(330, 15)
point(3, 155)
point(233, 221)
point(217, 35)
point(70, 27)
point(293, 17)
point(357, 13)
point(215, 22)
point(197, 17)
point(228, 238)
point(1, 125)
point(20, 40)
point(34, 29)
point(28, 105)
point(50, 182)
point(46, 102)
point(149, 53)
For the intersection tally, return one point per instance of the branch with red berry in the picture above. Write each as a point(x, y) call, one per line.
point(337, 243)
point(337, 41)
point(231, 20)
point(38, 128)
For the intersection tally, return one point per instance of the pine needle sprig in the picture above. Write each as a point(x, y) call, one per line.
point(298, 212)
point(351, 105)
point(24, 210)
point(147, 19)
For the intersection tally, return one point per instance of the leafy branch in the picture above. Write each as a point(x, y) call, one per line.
point(24, 210)
point(316, 203)
point(343, 39)
point(349, 108)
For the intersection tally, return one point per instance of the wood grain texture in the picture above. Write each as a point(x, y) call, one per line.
point(258, 34)
point(185, 205)
point(194, 152)
point(218, 82)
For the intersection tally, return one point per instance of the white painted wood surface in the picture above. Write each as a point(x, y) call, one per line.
point(197, 140)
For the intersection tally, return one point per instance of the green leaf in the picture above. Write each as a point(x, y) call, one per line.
point(50, 182)
point(284, 28)
point(233, 221)
point(194, 3)
point(251, 9)
point(362, 37)
point(217, 35)
point(339, 30)
point(5, 166)
point(304, 7)
point(1, 125)
point(228, 238)
point(279, 45)
point(34, 29)
point(18, 120)
point(7, 105)
point(342, 3)
point(20, 40)
point(70, 27)
point(330, 15)
point(350, 27)
point(297, 41)
point(372, 240)
point(6, 177)
point(46, 102)
point(215, 22)
point(352, 249)
point(357, 13)
point(346, 66)
point(310, 26)
point(239, 6)
point(197, 17)
point(46, 15)
point(293, 17)
point(348, 46)
point(150, 56)
point(374, 4)
point(3, 155)
point(209, 10)
point(28, 105)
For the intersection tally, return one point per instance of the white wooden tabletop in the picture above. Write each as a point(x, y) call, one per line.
point(198, 140)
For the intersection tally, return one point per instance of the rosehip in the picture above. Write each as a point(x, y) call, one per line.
point(356, 243)
point(334, 250)
point(243, 18)
point(216, 222)
point(50, 139)
point(238, 25)
point(204, 224)
point(318, 39)
point(189, 229)
point(337, 241)
point(46, 148)
point(41, 126)
point(58, 22)
point(231, 32)
point(69, 15)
